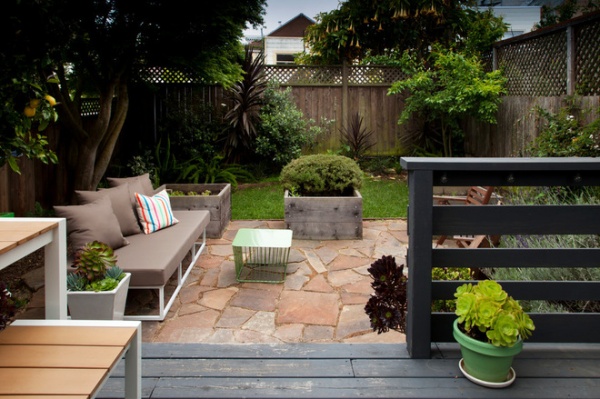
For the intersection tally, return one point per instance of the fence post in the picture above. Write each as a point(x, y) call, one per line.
point(344, 95)
point(570, 61)
point(418, 322)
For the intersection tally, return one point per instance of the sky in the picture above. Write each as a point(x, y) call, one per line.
point(281, 11)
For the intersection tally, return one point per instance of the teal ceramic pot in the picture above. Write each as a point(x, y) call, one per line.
point(485, 361)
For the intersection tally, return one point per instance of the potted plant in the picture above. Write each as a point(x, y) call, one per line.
point(97, 288)
point(490, 329)
point(321, 197)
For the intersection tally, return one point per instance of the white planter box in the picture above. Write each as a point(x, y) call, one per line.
point(104, 305)
point(324, 218)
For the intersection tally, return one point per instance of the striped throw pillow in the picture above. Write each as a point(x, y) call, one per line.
point(154, 212)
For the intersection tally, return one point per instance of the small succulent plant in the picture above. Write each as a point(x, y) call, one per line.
point(95, 269)
point(487, 313)
point(387, 306)
point(93, 259)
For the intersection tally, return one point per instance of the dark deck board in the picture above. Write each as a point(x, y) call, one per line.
point(351, 370)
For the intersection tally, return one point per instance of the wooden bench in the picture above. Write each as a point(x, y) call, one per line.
point(60, 358)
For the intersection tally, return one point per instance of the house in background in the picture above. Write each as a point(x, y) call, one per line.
point(520, 15)
point(520, 19)
point(281, 45)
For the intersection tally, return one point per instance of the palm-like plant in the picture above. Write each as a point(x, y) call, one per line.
point(357, 138)
point(246, 97)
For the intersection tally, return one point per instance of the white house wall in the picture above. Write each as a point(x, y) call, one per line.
point(281, 45)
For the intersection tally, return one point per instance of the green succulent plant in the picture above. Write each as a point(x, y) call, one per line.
point(95, 269)
point(487, 313)
point(93, 259)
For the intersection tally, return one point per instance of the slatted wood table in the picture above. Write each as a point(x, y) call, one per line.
point(64, 358)
point(20, 237)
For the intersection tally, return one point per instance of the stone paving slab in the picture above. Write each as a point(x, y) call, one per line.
point(321, 300)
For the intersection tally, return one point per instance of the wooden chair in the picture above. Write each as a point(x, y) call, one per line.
point(476, 195)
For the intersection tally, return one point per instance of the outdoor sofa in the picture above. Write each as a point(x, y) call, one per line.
point(151, 240)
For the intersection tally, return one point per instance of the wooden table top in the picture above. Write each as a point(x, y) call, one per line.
point(14, 233)
point(59, 360)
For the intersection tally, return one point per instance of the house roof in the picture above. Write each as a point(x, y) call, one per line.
point(295, 27)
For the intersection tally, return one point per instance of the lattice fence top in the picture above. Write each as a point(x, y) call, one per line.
point(538, 63)
point(302, 75)
point(537, 67)
point(90, 106)
point(160, 75)
point(587, 59)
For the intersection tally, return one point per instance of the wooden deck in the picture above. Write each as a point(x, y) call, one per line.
point(351, 370)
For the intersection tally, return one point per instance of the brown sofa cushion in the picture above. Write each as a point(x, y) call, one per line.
point(93, 221)
point(153, 258)
point(121, 203)
point(145, 185)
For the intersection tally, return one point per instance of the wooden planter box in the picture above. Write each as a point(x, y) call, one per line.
point(324, 218)
point(218, 204)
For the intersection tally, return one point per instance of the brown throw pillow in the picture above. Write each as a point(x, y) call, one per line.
point(144, 181)
point(93, 221)
point(120, 199)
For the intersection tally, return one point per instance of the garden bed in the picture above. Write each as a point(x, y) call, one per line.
point(213, 197)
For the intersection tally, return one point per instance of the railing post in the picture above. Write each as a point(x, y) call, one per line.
point(418, 323)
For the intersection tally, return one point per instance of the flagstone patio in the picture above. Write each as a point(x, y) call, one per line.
point(321, 300)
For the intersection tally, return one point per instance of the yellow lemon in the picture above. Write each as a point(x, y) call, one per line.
point(29, 112)
point(34, 103)
point(50, 100)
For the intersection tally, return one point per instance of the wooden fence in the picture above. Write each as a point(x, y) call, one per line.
point(330, 94)
point(542, 68)
point(426, 220)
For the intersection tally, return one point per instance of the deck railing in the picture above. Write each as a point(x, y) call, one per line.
point(425, 220)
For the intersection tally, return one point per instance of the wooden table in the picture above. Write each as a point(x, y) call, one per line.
point(20, 237)
point(64, 358)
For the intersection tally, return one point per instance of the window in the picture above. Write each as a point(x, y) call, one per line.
point(285, 58)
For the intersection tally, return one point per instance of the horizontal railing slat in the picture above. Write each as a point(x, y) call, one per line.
point(516, 178)
point(530, 290)
point(512, 257)
point(549, 327)
point(516, 219)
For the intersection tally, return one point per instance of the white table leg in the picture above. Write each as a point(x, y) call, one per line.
point(133, 367)
point(55, 269)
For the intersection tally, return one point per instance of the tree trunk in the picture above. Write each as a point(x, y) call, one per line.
point(90, 147)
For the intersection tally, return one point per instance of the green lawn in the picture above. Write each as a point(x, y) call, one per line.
point(381, 199)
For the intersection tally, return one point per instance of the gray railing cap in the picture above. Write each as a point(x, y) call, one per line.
point(499, 164)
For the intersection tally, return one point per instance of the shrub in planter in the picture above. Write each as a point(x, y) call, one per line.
point(322, 175)
point(321, 197)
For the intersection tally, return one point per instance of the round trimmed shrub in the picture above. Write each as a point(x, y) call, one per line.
point(322, 175)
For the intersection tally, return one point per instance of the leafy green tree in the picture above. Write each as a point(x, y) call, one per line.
point(373, 28)
point(97, 47)
point(565, 11)
point(455, 86)
point(26, 113)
